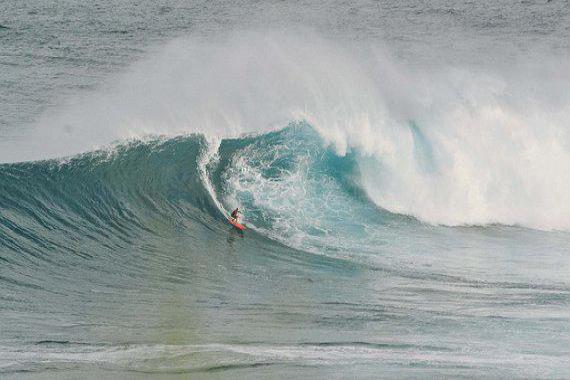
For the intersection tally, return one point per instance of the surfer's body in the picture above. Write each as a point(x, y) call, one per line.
point(235, 215)
point(234, 219)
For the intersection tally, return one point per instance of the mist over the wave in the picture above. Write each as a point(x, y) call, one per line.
point(448, 145)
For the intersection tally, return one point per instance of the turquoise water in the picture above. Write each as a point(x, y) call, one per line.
point(404, 189)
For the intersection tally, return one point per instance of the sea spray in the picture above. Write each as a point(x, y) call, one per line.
point(498, 152)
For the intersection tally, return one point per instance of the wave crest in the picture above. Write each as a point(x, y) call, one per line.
point(447, 145)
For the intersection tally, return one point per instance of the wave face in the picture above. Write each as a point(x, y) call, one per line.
point(130, 244)
point(112, 197)
point(295, 190)
point(108, 197)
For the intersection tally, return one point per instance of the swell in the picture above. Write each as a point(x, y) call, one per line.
point(111, 199)
point(100, 199)
point(134, 204)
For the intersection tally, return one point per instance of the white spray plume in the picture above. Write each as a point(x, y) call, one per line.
point(448, 145)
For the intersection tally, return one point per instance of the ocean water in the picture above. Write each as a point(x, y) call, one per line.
point(403, 168)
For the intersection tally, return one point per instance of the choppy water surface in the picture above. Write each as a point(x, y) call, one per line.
point(403, 170)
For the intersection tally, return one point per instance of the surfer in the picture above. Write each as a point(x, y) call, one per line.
point(235, 215)
point(234, 220)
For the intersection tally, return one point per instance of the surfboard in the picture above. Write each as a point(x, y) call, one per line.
point(240, 227)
